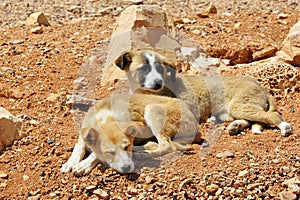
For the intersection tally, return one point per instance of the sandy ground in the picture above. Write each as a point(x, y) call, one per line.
point(37, 73)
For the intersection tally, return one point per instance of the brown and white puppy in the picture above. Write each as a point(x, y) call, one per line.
point(114, 124)
point(238, 99)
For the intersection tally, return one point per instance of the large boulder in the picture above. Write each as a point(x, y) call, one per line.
point(10, 128)
point(138, 26)
point(290, 51)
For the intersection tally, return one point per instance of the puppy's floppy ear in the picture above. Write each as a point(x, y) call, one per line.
point(124, 60)
point(171, 68)
point(90, 136)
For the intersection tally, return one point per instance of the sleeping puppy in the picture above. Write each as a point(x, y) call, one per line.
point(115, 124)
point(240, 100)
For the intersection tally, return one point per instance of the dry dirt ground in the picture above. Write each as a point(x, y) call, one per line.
point(37, 73)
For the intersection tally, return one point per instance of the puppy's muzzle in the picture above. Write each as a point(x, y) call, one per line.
point(158, 84)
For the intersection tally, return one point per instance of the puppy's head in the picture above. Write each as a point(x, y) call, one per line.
point(147, 69)
point(112, 144)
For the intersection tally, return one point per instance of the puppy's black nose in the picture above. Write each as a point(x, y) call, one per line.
point(158, 84)
point(126, 168)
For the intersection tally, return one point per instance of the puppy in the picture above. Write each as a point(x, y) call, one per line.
point(240, 100)
point(114, 124)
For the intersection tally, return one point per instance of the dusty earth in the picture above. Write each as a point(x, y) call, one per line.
point(37, 73)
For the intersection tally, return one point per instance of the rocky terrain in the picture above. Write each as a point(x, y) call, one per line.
point(39, 67)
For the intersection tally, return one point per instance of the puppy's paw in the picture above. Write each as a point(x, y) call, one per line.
point(285, 128)
point(257, 129)
point(83, 168)
point(234, 127)
point(68, 166)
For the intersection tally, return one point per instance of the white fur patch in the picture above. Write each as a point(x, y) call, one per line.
point(153, 75)
point(103, 114)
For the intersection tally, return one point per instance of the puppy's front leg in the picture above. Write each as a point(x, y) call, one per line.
point(86, 165)
point(77, 155)
point(156, 116)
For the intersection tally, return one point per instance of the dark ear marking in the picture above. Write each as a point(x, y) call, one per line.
point(124, 60)
point(92, 137)
point(171, 68)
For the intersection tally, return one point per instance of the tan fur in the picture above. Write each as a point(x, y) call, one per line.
point(229, 98)
point(114, 124)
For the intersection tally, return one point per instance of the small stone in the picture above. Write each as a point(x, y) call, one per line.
point(184, 183)
point(3, 185)
point(37, 30)
point(264, 53)
point(287, 195)
point(91, 187)
point(243, 173)
point(254, 185)
point(14, 42)
point(225, 154)
point(50, 141)
point(196, 32)
point(212, 189)
point(3, 175)
point(101, 194)
point(282, 16)
point(211, 9)
point(25, 177)
point(150, 180)
point(132, 191)
point(37, 18)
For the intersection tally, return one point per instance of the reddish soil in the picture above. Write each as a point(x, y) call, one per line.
point(37, 73)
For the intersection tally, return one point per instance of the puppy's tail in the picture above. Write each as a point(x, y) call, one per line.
point(272, 103)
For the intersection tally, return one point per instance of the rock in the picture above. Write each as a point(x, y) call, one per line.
point(243, 173)
point(225, 154)
point(150, 180)
point(132, 191)
point(25, 177)
point(132, 30)
point(264, 53)
point(211, 9)
point(287, 195)
point(290, 50)
point(3, 175)
point(183, 185)
point(101, 194)
point(10, 128)
point(37, 18)
point(132, 2)
point(293, 185)
point(37, 30)
point(212, 189)
point(282, 16)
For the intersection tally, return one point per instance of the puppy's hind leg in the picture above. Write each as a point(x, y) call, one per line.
point(237, 126)
point(254, 113)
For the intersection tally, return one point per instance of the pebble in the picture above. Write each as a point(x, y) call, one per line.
point(282, 16)
point(37, 30)
point(225, 154)
point(287, 195)
point(101, 194)
point(243, 173)
point(3, 175)
point(25, 177)
point(132, 191)
point(150, 180)
point(91, 187)
point(212, 189)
